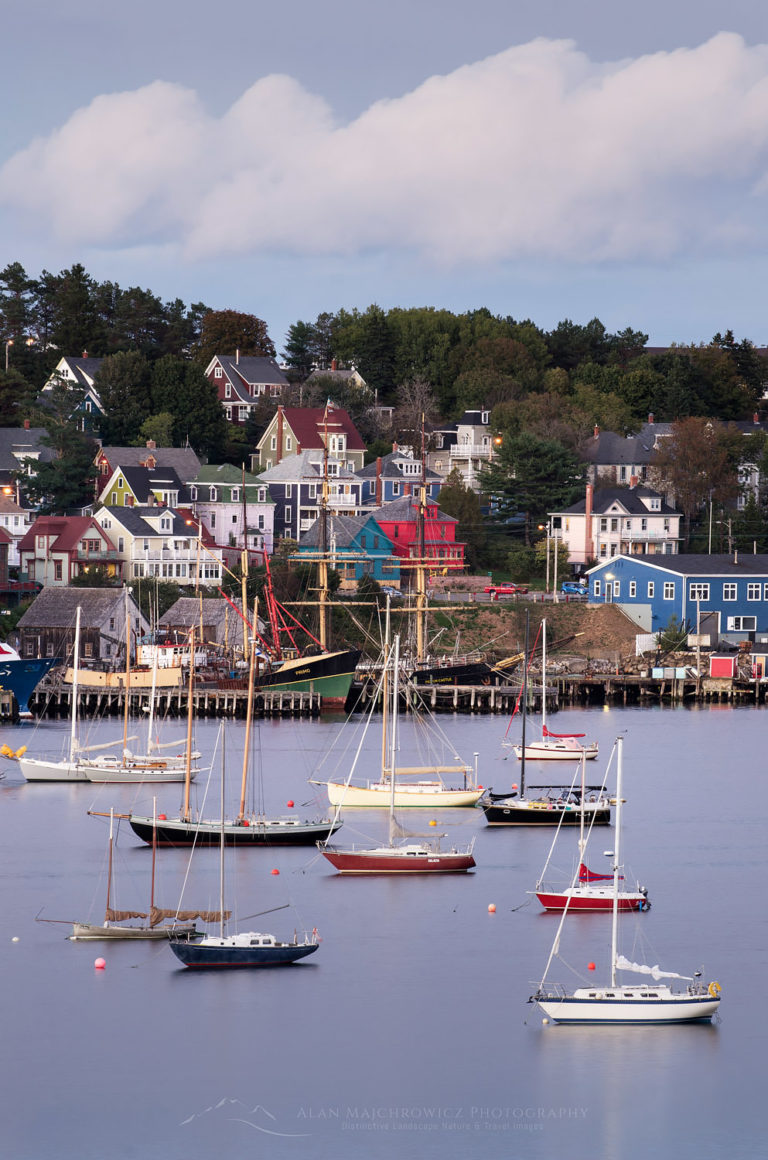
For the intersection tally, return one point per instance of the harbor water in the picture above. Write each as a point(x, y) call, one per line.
point(408, 1034)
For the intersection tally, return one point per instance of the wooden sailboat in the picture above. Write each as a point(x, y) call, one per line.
point(246, 949)
point(398, 857)
point(554, 746)
point(246, 829)
point(589, 891)
point(114, 925)
point(617, 1003)
point(547, 805)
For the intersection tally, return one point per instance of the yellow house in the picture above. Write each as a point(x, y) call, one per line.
point(140, 486)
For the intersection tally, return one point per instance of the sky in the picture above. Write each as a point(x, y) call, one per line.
point(546, 159)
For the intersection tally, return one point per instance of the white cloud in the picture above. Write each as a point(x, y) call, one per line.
point(536, 152)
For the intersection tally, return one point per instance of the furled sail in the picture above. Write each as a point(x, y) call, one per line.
point(656, 972)
point(548, 733)
point(587, 875)
point(121, 915)
point(157, 915)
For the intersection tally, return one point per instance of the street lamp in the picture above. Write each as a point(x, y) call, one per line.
point(548, 527)
point(8, 345)
point(191, 524)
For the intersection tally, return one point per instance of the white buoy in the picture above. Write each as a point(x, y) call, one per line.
point(15, 938)
point(545, 1022)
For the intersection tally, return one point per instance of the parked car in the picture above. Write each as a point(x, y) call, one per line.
point(574, 588)
point(497, 590)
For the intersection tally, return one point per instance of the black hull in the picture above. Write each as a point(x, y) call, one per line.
point(509, 814)
point(478, 673)
point(206, 958)
point(185, 834)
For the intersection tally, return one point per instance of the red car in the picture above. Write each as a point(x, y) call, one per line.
point(497, 590)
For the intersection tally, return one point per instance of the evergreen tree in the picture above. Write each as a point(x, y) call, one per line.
point(298, 347)
point(532, 476)
point(227, 331)
point(461, 502)
point(123, 383)
point(65, 483)
point(181, 388)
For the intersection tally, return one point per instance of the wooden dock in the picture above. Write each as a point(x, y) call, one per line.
point(174, 703)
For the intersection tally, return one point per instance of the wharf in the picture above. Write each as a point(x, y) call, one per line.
point(97, 702)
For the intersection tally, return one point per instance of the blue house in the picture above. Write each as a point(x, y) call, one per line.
point(357, 547)
point(724, 595)
point(296, 486)
point(392, 476)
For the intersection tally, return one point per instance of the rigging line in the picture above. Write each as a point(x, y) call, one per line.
point(557, 832)
point(205, 798)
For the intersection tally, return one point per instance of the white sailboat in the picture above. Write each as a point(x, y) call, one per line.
point(554, 746)
point(398, 856)
point(619, 1003)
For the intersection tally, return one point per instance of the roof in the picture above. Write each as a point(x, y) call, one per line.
point(689, 564)
point(68, 530)
point(223, 473)
point(406, 509)
point(630, 498)
point(309, 423)
point(16, 442)
point(56, 607)
point(134, 520)
point(345, 530)
point(145, 481)
point(188, 611)
point(244, 371)
point(183, 460)
point(392, 468)
point(307, 465)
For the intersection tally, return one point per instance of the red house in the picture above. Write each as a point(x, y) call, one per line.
point(399, 521)
point(241, 380)
point(58, 548)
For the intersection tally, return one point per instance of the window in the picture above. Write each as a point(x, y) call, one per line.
point(228, 413)
point(603, 525)
point(213, 496)
point(262, 495)
point(669, 591)
point(666, 525)
point(395, 489)
point(120, 483)
point(212, 518)
point(289, 491)
point(597, 587)
point(58, 573)
point(218, 373)
point(288, 515)
point(227, 391)
point(112, 624)
point(88, 651)
point(643, 524)
point(616, 588)
point(700, 591)
point(242, 414)
point(753, 591)
point(261, 522)
point(273, 443)
point(234, 519)
point(235, 497)
point(288, 443)
point(729, 591)
point(632, 589)
point(106, 524)
point(741, 623)
point(614, 525)
point(193, 493)
point(312, 491)
point(651, 589)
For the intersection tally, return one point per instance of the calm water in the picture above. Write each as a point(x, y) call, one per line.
point(408, 1033)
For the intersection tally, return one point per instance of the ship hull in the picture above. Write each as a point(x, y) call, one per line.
point(477, 673)
point(626, 1006)
point(399, 861)
point(209, 956)
point(378, 795)
point(530, 813)
point(82, 931)
point(21, 677)
point(38, 769)
point(275, 832)
point(329, 674)
point(591, 900)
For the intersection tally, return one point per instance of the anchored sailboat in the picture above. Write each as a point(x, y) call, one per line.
point(554, 746)
point(617, 1003)
point(398, 857)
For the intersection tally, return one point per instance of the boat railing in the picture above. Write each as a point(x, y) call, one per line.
point(549, 991)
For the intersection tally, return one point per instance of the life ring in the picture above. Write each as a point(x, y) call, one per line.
point(714, 989)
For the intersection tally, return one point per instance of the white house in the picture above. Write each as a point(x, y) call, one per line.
point(228, 501)
point(617, 521)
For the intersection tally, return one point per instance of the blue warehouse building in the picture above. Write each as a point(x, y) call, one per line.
point(720, 594)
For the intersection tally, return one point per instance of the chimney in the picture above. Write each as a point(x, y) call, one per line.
point(407, 489)
point(736, 556)
point(394, 447)
point(755, 418)
point(26, 424)
point(334, 365)
point(150, 500)
point(650, 418)
point(633, 481)
point(596, 432)
point(589, 550)
point(151, 444)
point(279, 432)
point(378, 482)
point(237, 357)
point(85, 354)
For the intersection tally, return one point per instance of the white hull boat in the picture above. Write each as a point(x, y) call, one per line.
point(423, 794)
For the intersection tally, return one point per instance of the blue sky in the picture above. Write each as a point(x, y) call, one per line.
point(543, 158)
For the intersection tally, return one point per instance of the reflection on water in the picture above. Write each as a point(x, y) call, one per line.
point(408, 1034)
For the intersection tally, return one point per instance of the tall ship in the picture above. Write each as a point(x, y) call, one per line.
point(21, 675)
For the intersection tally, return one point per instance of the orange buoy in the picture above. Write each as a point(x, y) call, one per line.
point(289, 805)
point(246, 822)
point(162, 817)
point(275, 871)
point(100, 964)
point(590, 966)
point(514, 785)
point(433, 822)
point(492, 908)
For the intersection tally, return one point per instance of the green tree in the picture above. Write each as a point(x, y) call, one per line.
point(461, 502)
point(181, 388)
point(158, 428)
point(65, 483)
point(532, 476)
point(123, 383)
point(227, 331)
point(298, 347)
point(697, 462)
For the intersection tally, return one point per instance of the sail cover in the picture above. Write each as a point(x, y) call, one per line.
point(122, 915)
point(157, 915)
point(656, 972)
point(587, 875)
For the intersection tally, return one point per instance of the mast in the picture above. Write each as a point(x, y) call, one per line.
point(76, 662)
point(525, 704)
point(244, 572)
point(393, 751)
point(221, 847)
point(322, 567)
point(616, 860)
point(385, 695)
point(127, 675)
point(109, 865)
point(583, 792)
point(154, 859)
point(153, 693)
point(421, 588)
point(544, 678)
point(247, 750)
point(188, 761)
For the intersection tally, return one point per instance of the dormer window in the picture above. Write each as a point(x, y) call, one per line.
point(193, 493)
point(235, 496)
point(213, 495)
point(262, 495)
point(484, 417)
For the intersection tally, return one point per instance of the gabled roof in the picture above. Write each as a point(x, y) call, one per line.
point(145, 481)
point(134, 520)
point(630, 499)
point(309, 424)
point(392, 468)
point(183, 460)
point(689, 564)
point(406, 509)
point(188, 611)
point(16, 442)
point(224, 477)
point(57, 607)
point(308, 465)
point(346, 531)
point(68, 530)
point(245, 371)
